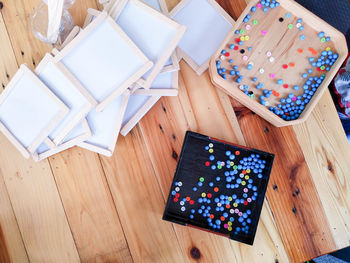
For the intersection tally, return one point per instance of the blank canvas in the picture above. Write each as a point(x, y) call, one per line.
point(166, 84)
point(65, 88)
point(207, 26)
point(104, 60)
point(29, 111)
point(154, 33)
point(105, 126)
point(139, 104)
point(79, 134)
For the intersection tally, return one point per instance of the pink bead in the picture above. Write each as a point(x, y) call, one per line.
point(240, 214)
point(247, 27)
point(258, 5)
point(226, 226)
point(264, 32)
point(245, 58)
point(272, 75)
point(294, 98)
point(236, 211)
point(249, 200)
point(245, 190)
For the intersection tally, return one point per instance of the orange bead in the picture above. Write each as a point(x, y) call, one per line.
point(237, 153)
point(228, 206)
point(211, 216)
point(244, 172)
point(188, 198)
point(300, 50)
point(222, 218)
point(291, 64)
point(216, 189)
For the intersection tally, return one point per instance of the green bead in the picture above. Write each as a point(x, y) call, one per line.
point(255, 22)
point(242, 31)
point(201, 179)
point(290, 26)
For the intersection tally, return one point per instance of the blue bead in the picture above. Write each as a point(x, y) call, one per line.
point(200, 184)
point(302, 37)
point(253, 9)
point(218, 178)
point(301, 28)
point(191, 216)
point(255, 79)
point(194, 189)
point(250, 66)
point(223, 51)
point(280, 81)
point(321, 34)
point(237, 32)
point(288, 15)
point(250, 48)
point(328, 39)
point(296, 87)
point(304, 75)
point(299, 20)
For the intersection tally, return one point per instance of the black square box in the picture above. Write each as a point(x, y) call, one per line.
point(219, 187)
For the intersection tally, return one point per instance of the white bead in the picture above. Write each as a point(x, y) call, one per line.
point(298, 25)
point(179, 183)
point(182, 203)
point(177, 189)
point(183, 208)
point(218, 204)
point(261, 71)
point(211, 145)
point(232, 211)
point(222, 57)
point(272, 59)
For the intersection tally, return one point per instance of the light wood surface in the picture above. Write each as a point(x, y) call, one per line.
point(79, 206)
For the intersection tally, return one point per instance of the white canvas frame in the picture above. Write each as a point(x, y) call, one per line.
point(75, 31)
point(84, 133)
point(69, 95)
point(118, 89)
point(166, 91)
point(180, 52)
point(109, 149)
point(134, 113)
point(42, 134)
point(140, 113)
point(116, 11)
point(173, 59)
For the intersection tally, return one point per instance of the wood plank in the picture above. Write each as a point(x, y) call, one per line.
point(11, 243)
point(327, 153)
point(291, 192)
point(8, 65)
point(139, 201)
point(37, 207)
point(163, 129)
point(31, 186)
point(89, 207)
point(26, 47)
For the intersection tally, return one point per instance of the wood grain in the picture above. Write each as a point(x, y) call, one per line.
point(140, 204)
point(85, 196)
point(291, 192)
point(326, 152)
point(11, 243)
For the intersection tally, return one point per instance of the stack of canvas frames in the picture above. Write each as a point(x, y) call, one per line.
point(102, 80)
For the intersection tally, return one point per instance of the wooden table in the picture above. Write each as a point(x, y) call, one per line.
point(79, 206)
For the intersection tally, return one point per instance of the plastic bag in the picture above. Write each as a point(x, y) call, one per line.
point(40, 23)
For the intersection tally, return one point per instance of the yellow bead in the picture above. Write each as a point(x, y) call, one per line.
point(243, 182)
point(232, 163)
point(246, 177)
point(248, 171)
point(203, 194)
point(246, 38)
point(328, 48)
point(211, 150)
point(229, 223)
point(242, 38)
point(229, 228)
point(235, 204)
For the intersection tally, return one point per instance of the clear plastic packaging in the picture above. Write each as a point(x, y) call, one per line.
point(40, 22)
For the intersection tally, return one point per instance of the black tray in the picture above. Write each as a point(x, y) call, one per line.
point(195, 165)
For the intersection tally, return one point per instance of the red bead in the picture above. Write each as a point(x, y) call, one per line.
point(238, 40)
point(227, 54)
point(236, 48)
point(245, 202)
point(175, 199)
point(209, 195)
point(177, 195)
point(285, 66)
point(318, 69)
point(191, 202)
point(285, 86)
point(207, 163)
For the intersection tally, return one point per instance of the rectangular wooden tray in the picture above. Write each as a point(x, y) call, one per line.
point(285, 46)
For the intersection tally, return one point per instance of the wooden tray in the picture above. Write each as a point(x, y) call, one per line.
point(285, 45)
